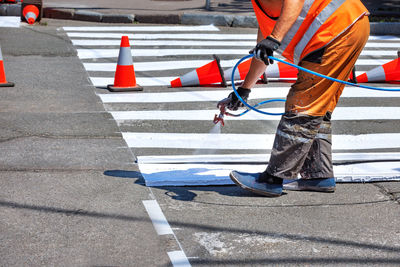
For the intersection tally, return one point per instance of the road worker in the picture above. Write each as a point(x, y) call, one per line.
point(325, 36)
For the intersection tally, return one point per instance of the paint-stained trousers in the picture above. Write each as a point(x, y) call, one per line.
point(303, 140)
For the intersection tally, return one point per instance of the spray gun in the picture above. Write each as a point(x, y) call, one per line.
point(220, 117)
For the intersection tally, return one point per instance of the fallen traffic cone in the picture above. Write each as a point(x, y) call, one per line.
point(388, 72)
point(30, 13)
point(240, 73)
point(3, 80)
point(280, 70)
point(209, 74)
point(124, 79)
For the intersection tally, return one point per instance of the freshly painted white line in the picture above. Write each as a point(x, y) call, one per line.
point(149, 43)
point(143, 28)
point(157, 217)
point(10, 22)
point(341, 113)
point(178, 259)
point(218, 174)
point(155, 81)
point(107, 53)
point(216, 95)
point(157, 65)
point(250, 141)
point(258, 158)
point(225, 43)
point(383, 38)
point(152, 36)
point(379, 53)
point(191, 64)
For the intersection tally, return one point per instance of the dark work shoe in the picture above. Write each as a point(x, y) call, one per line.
point(249, 181)
point(318, 185)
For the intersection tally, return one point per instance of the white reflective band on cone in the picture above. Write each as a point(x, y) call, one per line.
point(190, 78)
point(125, 56)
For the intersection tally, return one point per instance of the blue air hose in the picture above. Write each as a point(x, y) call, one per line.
point(283, 100)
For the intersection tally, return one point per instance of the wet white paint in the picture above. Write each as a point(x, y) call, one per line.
point(10, 22)
point(170, 28)
point(143, 81)
point(341, 113)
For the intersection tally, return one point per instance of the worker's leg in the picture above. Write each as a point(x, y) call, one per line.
point(303, 135)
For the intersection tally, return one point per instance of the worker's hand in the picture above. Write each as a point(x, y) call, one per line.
point(232, 102)
point(266, 48)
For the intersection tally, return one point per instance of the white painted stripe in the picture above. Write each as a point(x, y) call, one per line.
point(340, 113)
point(250, 141)
point(143, 81)
point(158, 65)
point(258, 158)
point(383, 38)
point(152, 36)
point(216, 95)
point(157, 217)
point(189, 64)
point(218, 174)
point(379, 53)
point(104, 42)
point(395, 46)
point(143, 28)
point(178, 259)
point(10, 21)
point(107, 53)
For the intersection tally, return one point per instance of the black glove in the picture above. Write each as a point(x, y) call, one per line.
point(266, 48)
point(232, 102)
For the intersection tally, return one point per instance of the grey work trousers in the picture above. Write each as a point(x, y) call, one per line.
point(302, 145)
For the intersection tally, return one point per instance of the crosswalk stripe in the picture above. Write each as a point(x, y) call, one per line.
point(116, 42)
point(250, 141)
point(341, 113)
point(152, 36)
point(190, 64)
point(216, 95)
point(218, 174)
point(107, 53)
point(143, 28)
point(257, 158)
point(143, 81)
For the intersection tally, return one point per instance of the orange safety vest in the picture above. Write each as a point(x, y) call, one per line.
point(318, 24)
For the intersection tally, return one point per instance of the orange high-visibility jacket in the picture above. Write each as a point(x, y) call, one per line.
point(319, 23)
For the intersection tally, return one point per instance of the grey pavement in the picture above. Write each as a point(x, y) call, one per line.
point(72, 196)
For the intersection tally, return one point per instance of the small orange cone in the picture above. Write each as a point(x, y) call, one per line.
point(388, 72)
point(209, 74)
point(124, 79)
point(3, 80)
point(30, 13)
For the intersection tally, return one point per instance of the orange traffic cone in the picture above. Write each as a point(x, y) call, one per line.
point(124, 79)
point(3, 80)
point(280, 70)
point(388, 72)
point(30, 13)
point(240, 73)
point(209, 74)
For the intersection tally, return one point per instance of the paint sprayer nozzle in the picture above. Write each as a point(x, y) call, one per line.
point(220, 117)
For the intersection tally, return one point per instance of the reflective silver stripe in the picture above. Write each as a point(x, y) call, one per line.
point(30, 15)
point(190, 78)
point(324, 136)
point(228, 74)
point(377, 74)
point(315, 25)
point(1, 55)
point(293, 30)
point(293, 138)
point(125, 56)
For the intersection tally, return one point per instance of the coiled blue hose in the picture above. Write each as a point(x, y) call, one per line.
point(283, 100)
